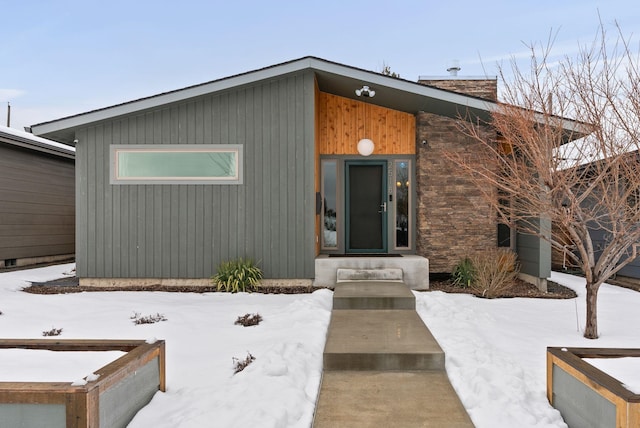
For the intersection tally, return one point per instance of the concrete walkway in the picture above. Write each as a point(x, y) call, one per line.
point(382, 366)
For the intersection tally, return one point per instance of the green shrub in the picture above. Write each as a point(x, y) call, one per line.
point(495, 272)
point(237, 275)
point(463, 273)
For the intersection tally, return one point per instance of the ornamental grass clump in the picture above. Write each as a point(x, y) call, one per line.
point(237, 276)
point(495, 271)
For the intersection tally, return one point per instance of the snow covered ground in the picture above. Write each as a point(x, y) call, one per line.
point(33, 365)
point(495, 348)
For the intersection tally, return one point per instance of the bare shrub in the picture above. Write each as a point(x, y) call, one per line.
point(494, 272)
point(248, 320)
point(147, 319)
point(239, 365)
point(53, 332)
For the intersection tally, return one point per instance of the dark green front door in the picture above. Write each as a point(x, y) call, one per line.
point(366, 206)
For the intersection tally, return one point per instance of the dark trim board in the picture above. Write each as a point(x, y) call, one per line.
point(365, 255)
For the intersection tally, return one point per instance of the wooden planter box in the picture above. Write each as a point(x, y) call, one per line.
point(123, 387)
point(586, 396)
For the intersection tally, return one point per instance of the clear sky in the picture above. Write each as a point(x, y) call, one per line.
point(62, 57)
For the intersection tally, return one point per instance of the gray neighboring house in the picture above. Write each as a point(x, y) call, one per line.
point(308, 167)
point(600, 238)
point(37, 200)
point(630, 271)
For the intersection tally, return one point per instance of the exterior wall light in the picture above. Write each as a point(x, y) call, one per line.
point(365, 147)
point(365, 91)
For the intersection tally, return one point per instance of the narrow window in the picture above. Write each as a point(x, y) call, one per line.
point(329, 205)
point(403, 186)
point(505, 232)
point(176, 164)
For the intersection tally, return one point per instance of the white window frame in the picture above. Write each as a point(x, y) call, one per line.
point(117, 149)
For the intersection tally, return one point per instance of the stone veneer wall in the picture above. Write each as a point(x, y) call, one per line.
point(453, 220)
point(483, 88)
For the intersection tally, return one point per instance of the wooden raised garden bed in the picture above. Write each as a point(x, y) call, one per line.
point(585, 395)
point(122, 387)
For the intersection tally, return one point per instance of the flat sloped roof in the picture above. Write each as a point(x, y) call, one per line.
point(33, 142)
point(334, 78)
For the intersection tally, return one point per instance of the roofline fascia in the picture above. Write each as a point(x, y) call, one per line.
point(252, 77)
point(35, 145)
point(366, 76)
point(167, 97)
point(574, 128)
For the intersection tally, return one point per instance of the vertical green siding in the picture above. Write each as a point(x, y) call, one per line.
point(185, 231)
point(534, 253)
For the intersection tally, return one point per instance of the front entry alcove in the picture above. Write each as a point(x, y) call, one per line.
point(415, 269)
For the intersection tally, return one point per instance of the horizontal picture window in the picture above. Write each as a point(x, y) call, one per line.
point(176, 164)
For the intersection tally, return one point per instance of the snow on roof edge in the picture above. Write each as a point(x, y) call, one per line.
point(36, 141)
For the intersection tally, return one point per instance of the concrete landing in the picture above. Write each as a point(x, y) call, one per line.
point(380, 340)
point(373, 295)
point(389, 399)
point(415, 269)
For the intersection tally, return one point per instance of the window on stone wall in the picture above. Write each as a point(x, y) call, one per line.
point(505, 233)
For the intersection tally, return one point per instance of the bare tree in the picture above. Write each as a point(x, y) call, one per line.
point(589, 188)
point(386, 70)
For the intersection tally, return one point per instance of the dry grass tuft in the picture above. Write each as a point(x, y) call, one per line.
point(495, 271)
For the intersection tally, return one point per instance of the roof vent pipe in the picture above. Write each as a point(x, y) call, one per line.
point(454, 67)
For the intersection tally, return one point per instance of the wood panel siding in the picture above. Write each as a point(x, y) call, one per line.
point(343, 122)
point(185, 231)
point(37, 204)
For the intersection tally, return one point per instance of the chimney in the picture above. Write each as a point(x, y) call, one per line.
point(475, 86)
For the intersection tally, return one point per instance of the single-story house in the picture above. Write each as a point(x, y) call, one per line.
point(305, 166)
point(37, 200)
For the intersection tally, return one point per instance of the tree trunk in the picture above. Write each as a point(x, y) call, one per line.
point(591, 329)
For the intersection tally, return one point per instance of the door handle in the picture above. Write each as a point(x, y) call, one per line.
point(383, 208)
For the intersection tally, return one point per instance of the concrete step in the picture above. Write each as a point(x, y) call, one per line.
point(384, 339)
point(373, 295)
point(415, 269)
point(389, 399)
point(380, 274)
